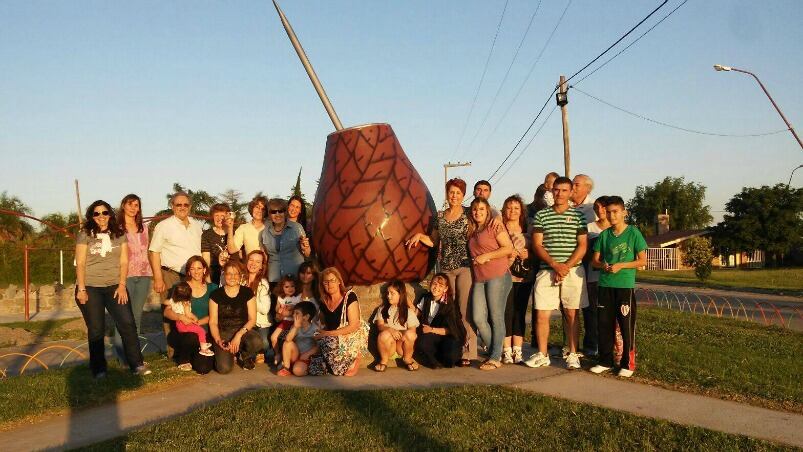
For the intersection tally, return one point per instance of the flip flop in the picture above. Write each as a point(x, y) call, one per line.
point(380, 367)
point(412, 366)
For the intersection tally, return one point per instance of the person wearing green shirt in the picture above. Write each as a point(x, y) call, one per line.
point(618, 252)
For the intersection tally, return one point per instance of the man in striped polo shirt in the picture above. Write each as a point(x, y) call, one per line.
point(559, 240)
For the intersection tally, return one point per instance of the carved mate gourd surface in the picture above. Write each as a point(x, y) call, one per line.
point(370, 199)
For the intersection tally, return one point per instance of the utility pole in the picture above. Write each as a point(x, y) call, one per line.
point(562, 100)
point(448, 165)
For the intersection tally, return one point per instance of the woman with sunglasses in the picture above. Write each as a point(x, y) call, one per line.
point(101, 256)
point(285, 243)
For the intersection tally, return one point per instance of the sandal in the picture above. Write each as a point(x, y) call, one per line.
point(380, 367)
point(490, 365)
point(412, 366)
point(464, 363)
point(186, 367)
point(284, 372)
point(354, 368)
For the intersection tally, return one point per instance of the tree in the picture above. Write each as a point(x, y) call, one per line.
point(295, 190)
point(765, 218)
point(12, 227)
point(697, 253)
point(234, 199)
point(54, 238)
point(684, 201)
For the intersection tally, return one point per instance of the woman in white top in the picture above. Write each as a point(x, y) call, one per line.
point(247, 234)
point(256, 266)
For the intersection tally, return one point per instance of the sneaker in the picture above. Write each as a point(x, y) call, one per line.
point(186, 367)
point(599, 368)
point(564, 352)
point(507, 356)
point(537, 360)
point(517, 358)
point(572, 361)
point(142, 370)
point(206, 349)
point(260, 359)
point(625, 373)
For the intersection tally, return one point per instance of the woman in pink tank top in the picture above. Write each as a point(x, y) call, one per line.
point(490, 247)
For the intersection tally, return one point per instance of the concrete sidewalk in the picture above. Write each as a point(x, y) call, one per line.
point(90, 426)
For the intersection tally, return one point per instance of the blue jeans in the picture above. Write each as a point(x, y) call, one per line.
point(139, 287)
point(489, 299)
point(102, 299)
point(264, 333)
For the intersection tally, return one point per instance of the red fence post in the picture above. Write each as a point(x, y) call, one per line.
point(26, 282)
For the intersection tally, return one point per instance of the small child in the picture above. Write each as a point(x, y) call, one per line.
point(397, 323)
point(180, 303)
point(549, 180)
point(286, 299)
point(618, 252)
point(300, 344)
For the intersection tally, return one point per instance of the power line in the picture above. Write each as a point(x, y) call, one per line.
point(482, 78)
point(554, 90)
point(631, 44)
point(527, 146)
point(504, 79)
point(672, 126)
point(529, 73)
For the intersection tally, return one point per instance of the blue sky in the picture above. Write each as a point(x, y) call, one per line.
point(132, 96)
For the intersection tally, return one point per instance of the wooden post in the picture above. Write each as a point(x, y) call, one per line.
point(564, 113)
point(26, 282)
point(78, 200)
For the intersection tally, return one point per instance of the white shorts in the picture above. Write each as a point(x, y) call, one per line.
point(571, 292)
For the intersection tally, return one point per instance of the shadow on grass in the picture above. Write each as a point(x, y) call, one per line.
point(399, 429)
point(84, 390)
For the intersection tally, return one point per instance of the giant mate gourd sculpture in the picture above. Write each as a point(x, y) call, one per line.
point(370, 199)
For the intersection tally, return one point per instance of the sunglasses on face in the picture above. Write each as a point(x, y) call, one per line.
point(275, 211)
point(104, 213)
point(186, 204)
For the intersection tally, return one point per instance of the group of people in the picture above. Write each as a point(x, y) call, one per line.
point(252, 294)
point(560, 252)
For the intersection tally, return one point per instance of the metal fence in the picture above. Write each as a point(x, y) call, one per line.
point(663, 259)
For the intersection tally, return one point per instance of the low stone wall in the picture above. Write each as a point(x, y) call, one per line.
point(48, 298)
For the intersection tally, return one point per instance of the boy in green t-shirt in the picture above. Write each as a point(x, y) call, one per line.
point(618, 252)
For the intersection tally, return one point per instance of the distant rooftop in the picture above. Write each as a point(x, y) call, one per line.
point(673, 237)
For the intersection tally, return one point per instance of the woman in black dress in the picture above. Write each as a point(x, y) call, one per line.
point(232, 317)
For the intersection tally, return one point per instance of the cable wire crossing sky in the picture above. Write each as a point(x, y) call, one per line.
point(132, 97)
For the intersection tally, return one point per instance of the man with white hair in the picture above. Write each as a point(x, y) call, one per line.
point(581, 199)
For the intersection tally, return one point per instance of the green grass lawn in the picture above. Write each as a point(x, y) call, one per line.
point(464, 418)
point(786, 280)
point(721, 357)
point(74, 388)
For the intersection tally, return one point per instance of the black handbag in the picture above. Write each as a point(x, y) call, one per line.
point(520, 268)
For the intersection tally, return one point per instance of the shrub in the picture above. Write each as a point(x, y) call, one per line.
point(697, 253)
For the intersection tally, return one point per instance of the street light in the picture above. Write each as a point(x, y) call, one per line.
point(720, 68)
point(793, 173)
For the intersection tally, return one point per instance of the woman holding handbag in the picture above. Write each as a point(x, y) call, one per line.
point(343, 334)
point(523, 275)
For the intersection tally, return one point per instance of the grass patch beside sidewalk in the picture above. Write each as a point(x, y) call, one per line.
point(726, 358)
point(457, 418)
point(57, 390)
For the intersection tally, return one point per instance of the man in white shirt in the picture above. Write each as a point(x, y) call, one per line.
point(174, 240)
point(581, 199)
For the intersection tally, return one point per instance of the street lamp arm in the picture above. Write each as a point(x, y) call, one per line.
point(786, 121)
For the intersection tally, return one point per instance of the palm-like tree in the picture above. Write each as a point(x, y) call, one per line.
point(12, 227)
